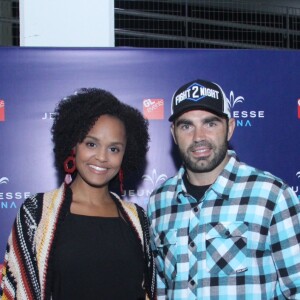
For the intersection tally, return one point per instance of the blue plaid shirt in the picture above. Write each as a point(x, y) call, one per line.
point(240, 241)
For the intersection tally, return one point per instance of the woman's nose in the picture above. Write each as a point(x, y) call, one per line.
point(101, 155)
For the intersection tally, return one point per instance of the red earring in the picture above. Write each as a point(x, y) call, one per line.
point(121, 179)
point(69, 167)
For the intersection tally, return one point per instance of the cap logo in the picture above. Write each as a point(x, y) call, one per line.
point(196, 92)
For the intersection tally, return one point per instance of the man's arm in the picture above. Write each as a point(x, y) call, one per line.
point(285, 242)
point(160, 280)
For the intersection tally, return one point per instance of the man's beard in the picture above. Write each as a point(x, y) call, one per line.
point(196, 166)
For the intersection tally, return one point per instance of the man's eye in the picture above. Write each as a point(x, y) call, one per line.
point(185, 126)
point(212, 124)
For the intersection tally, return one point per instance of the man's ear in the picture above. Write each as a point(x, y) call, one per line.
point(231, 127)
point(173, 133)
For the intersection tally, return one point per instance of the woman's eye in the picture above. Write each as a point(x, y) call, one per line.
point(91, 145)
point(114, 150)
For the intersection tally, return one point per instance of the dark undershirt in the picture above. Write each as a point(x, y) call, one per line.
point(97, 258)
point(196, 191)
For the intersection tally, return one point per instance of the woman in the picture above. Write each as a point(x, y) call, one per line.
point(82, 241)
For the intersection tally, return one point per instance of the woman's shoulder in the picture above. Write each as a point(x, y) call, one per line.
point(133, 204)
point(33, 201)
point(37, 201)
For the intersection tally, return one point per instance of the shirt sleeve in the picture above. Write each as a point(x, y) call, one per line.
point(20, 267)
point(7, 288)
point(160, 280)
point(150, 270)
point(285, 243)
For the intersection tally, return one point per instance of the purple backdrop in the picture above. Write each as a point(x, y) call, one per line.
point(263, 87)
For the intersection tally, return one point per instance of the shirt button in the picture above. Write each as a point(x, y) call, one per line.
point(192, 284)
point(192, 246)
point(195, 209)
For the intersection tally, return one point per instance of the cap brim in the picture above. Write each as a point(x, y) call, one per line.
point(198, 107)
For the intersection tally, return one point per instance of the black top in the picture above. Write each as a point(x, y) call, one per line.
point(97, 258)
point(196, 191)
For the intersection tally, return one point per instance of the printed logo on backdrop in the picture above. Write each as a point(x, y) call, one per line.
point(48, 116)
point(11, 199)
point(244, 118)
point(149, 182)
point(154, 179)
point(153, 108)
point(2, 110)
point(4, 180)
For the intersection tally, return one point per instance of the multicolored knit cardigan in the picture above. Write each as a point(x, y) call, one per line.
point(27, 274)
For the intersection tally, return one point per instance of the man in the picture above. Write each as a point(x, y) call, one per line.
point(221, 229)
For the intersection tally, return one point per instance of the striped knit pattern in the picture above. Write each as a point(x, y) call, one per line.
point(26, 274)
point(52, 205)
point(131, 211)
point(138, 220)
point(19, 265)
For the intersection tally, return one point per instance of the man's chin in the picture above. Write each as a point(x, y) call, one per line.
point(200, 167)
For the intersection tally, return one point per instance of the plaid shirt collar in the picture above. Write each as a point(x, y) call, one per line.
point(221, 186)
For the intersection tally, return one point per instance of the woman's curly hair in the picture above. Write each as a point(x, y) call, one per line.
point(76, 114)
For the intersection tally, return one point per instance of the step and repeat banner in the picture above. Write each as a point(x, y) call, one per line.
point(263, 88)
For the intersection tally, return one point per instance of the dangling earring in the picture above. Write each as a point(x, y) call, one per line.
point(69, 167)
point(121, 179)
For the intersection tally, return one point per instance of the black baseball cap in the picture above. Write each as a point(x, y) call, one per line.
point(199, 94)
